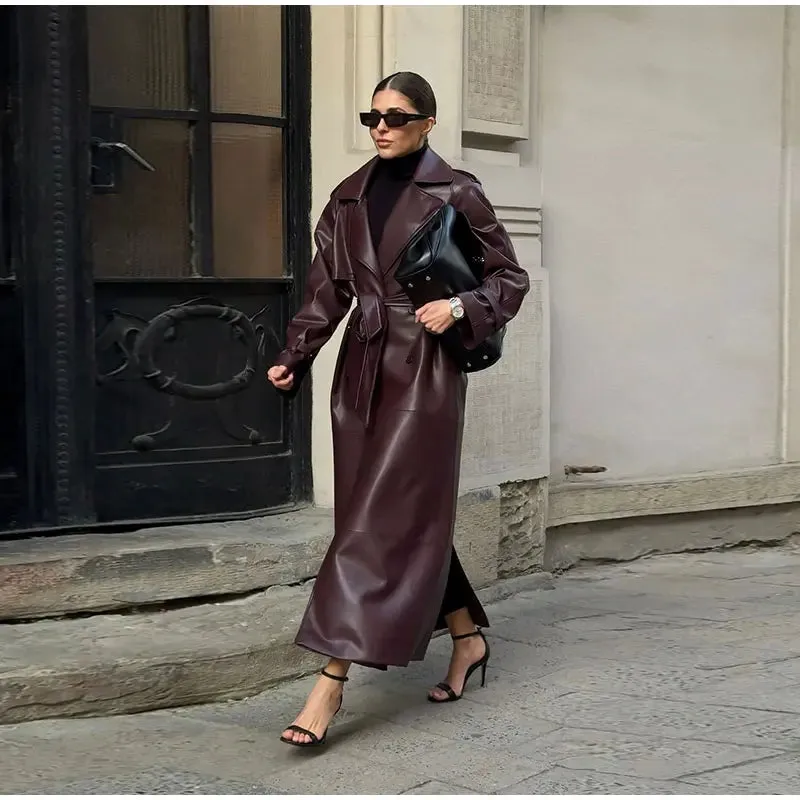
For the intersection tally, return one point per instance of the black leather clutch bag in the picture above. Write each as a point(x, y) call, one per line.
point(442, 260)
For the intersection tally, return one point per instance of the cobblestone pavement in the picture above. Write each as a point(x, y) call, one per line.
point(670, 675)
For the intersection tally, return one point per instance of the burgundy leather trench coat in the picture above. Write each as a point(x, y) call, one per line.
point(397, 407)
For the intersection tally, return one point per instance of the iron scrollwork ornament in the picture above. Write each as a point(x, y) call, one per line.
point(163, 326)
point(136, 340)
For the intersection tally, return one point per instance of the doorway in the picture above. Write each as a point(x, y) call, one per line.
point(163, 204)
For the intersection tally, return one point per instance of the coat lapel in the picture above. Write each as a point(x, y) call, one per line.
point(359, 237)
point(362, 247)
point(413, 209)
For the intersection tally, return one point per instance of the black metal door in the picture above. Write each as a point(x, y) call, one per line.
point(181, 215)
point(12, 444)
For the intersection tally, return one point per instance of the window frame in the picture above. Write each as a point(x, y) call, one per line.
point(201, 118)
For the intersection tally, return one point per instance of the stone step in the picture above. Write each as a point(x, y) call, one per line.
point(122, 663)
point(94, 572)
point(96, 624)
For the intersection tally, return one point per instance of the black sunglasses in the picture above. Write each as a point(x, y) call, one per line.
point(393, 119)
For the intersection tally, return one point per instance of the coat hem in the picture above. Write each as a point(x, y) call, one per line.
point(356, 660)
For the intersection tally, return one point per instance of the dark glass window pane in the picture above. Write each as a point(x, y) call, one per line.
point(142, 229)
point(137, 56)
point(248, 201)
point(246, 59)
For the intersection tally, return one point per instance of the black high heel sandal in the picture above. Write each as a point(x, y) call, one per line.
point(447, 689)
point(316, 741)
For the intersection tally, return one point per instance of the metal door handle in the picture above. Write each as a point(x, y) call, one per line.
point(128, 150)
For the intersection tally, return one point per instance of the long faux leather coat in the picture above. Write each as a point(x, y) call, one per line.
point(397, 405)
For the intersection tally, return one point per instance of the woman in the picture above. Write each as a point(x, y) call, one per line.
point(391, 576)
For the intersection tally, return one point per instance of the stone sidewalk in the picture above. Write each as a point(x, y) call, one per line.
point(670, 675)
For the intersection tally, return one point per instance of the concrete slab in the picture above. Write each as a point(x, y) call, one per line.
point(780, 775)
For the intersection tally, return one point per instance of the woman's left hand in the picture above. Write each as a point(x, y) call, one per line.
point(436, 316)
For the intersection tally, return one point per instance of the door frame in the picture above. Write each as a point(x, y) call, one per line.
point(54, 279)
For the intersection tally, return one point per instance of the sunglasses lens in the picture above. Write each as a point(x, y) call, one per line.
point(369, 119)
point(393, 119)
point(396, 120)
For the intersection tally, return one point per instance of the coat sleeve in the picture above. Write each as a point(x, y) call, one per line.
point(505, 283)
point(325, 304)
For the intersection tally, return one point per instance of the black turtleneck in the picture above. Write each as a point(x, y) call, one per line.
point(390, 177)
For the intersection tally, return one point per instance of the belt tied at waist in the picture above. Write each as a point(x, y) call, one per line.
point(370, 328)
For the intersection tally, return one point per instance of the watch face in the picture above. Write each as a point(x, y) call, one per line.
point(457, 309)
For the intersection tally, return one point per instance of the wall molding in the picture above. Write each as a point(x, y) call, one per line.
point(481, 111)
point(519, 220)
point(789, 413)
point(365, 67)
point(584, 501)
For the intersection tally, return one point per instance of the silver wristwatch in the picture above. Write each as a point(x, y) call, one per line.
point(456, 308)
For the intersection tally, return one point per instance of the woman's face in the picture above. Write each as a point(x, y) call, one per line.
point(396, 142)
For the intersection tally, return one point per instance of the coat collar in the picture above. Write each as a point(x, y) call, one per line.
point(432, 169)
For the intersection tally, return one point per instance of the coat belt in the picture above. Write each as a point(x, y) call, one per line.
point(370, 329)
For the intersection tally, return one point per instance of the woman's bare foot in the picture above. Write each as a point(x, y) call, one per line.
point(465, 653)
point(321, 706)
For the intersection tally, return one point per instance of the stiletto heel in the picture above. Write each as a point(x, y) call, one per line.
point(482, 663)
point(316, 741)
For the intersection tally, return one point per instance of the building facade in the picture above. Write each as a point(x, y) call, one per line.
point(162, 169)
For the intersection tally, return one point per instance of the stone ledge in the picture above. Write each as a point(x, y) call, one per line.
point(93, 573)
point(589, 501)
point(101, 572)
point(116, 664)
point(628, 539)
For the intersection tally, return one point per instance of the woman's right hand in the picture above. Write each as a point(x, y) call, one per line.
point(281, 378)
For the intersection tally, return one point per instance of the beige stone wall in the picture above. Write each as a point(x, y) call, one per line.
point(669, 141)
point(664, 193)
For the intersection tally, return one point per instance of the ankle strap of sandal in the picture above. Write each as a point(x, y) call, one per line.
point(468, 635)
point(334, 677)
